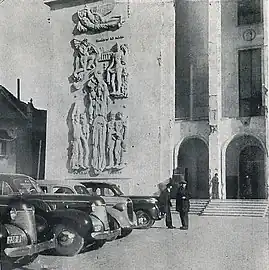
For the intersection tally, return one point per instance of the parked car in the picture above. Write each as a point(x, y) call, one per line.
point(18, 236)
point(119, 208)
point(76, 220)
point(146, 208)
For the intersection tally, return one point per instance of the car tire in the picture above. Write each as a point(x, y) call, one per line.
point(125, 232)
point(65, 246)
point(147, 219)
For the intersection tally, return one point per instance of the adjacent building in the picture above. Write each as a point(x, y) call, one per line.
point(22, 136)
point(221, 96)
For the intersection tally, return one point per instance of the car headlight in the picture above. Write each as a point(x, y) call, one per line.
point(93, 206)
point(119, 206)
point(13, 213)
point(97, 228)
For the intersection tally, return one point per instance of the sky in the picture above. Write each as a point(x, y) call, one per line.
point(25, 51)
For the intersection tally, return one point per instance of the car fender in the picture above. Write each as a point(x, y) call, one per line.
point(120, 217)
point(77, 219)
point(151, 209)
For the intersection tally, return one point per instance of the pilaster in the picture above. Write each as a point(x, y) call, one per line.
point(215, 87)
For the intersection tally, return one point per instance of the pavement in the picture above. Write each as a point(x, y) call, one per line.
point(219, 243)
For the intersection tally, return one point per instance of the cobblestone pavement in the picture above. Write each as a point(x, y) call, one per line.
point(219, 243)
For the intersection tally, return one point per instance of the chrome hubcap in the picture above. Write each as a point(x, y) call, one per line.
point(66, 238)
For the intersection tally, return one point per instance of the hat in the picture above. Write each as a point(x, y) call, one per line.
point(182, 182)
point(169, 185)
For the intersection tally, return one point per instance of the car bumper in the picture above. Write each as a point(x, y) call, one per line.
point(30, 250)
point(106, 235)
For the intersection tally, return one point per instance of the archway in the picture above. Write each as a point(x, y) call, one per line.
point(193, 161)
point(245, 157)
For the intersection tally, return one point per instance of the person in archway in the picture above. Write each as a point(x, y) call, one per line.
point(165, 200)
point(183, 204)
point(215, 186)
point(247, 188)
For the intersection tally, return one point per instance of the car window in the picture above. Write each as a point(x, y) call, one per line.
point(108, 192)
point(62, 190)
point(81, 190)
point(26, 185)
point(44, 188)
point(5, 188)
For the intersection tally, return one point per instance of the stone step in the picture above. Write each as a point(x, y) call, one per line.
point(251, 208)
point(233, 214)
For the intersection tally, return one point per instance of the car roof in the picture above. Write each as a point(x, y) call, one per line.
point(59, 182)
point(96, 182)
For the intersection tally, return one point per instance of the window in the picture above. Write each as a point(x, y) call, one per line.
point(62, 190)
point(3, 148)
point(250, 83)
point(108, 192)
point(249, 12)
point(5, 188)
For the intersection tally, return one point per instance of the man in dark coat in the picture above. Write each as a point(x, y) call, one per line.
point(165, 200)
point(215, 186)
point(183, 204)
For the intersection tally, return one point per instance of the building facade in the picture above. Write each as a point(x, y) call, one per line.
point(22, 136)
point(221, 96)
point(111, 102)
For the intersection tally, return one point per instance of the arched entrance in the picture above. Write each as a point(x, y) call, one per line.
point(193, 161)
point(245, 169)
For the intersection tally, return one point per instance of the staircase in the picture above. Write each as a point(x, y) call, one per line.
point(248, 208)
point(196, 206)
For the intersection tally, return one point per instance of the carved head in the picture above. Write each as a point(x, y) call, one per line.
point(82, 13)
point(119, 116)
point(111, 116)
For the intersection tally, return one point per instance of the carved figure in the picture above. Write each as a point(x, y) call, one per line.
point(84, 137)
point(93, 20)
point(99, 99)
point(76, 157)
point(120, 131)
point(116, 71)
point(111, 140)
point(85, 59)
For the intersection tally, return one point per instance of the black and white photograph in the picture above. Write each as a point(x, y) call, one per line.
point(134, 135)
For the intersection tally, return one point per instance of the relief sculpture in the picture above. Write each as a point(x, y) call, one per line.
point(94, 19)
point(117, 71)
point(97, 140)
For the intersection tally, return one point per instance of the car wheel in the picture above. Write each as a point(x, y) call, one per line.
point(125, 232)
point(144, 220)
point(68, 241)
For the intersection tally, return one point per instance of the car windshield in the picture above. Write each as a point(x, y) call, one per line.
point(117, 190)
point(81, 190)
point(27, 185)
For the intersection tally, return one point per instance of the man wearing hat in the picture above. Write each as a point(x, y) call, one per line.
point(165, 200)
point(183, 204)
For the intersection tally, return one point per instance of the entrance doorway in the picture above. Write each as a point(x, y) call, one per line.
point(245, 169)
point(193, 161)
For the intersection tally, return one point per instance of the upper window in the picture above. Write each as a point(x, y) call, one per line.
point(250, 83)
point(249, 12)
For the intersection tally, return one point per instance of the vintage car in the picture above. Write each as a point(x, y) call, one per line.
point(18, 236)
point(119, 208)
point(76, 220)
point(146, 208)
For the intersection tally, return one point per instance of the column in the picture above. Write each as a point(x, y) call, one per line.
point(266, 86)
point(214, 59)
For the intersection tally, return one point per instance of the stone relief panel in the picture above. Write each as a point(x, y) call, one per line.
point(96, 122)
point(97, 19)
